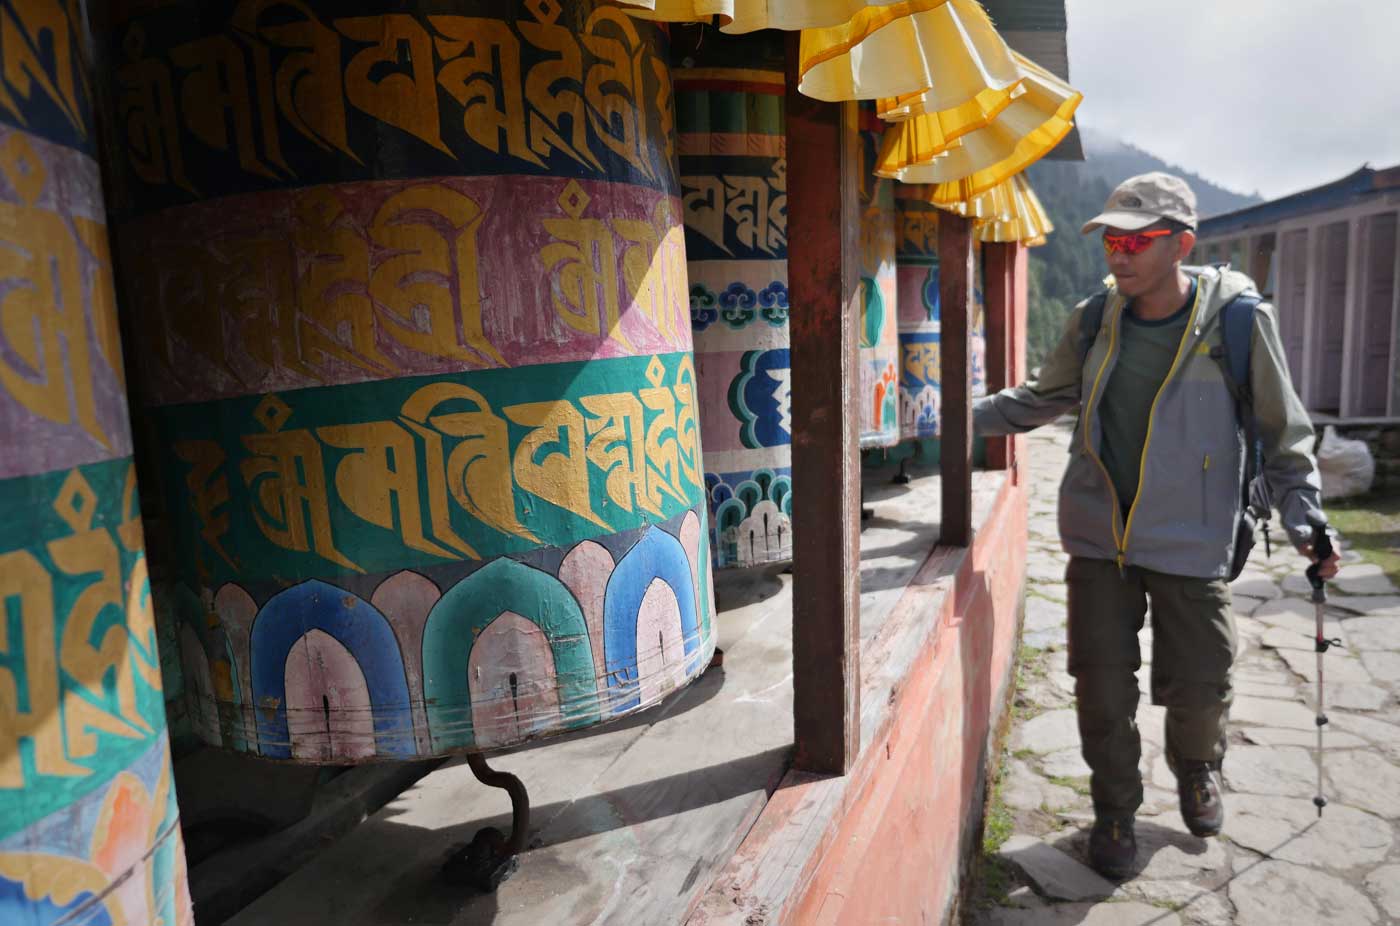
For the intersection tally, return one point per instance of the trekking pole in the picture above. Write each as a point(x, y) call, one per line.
point(1322, 551)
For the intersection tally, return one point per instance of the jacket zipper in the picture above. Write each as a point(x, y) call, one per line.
point(1088, 440)
point(1151, 415)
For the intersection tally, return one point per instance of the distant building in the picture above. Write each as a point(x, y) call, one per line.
point(1329, 259)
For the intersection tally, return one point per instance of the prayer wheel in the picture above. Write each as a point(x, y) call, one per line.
point(879, 359)
point(916, 265)
point(89, 826)
point(411, 287)
point(732, 145)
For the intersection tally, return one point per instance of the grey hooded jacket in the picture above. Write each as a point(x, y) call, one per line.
point(1188, 504)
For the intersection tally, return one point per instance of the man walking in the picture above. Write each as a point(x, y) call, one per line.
point(1151, 498)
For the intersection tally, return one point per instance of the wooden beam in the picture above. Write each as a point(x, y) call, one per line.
point(1353, 318)
point(955, 281)
point(999, 266)
point(823, 285)
point(1393, 401)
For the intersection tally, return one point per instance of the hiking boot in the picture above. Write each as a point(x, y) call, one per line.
point(1113, 847)
point(1202, 807)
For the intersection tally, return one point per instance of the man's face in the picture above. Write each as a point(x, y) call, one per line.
point(1142, 272)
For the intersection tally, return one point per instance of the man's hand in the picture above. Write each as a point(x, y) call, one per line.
point(1329, 567)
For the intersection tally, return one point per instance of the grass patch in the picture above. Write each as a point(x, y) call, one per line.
point(1370, 525)
point(992, 876)
point(1079, 786)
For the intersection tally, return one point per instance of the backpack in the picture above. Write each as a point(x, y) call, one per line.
point(1232, 355)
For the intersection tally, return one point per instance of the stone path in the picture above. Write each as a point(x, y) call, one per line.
point(1276, 864)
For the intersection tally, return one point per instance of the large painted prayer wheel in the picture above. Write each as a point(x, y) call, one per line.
point(89, 827)
point(916, 266)
point(879, 359)
point(412, 288)
point(733, 165)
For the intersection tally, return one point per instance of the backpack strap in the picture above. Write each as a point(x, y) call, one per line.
point(1237, 334)
point(1090, 323)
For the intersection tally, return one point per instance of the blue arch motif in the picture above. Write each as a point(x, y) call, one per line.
point(467, 609)
point(16, 906)
point(361, 629)
point(657, 555)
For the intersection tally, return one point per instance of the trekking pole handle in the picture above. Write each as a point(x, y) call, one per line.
point(1321, 549)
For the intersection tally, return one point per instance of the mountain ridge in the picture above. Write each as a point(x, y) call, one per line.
point(1115, 160)
point(1070, 266)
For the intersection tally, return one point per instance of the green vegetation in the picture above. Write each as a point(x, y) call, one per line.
point(992, 876)
point(1069, 266)
point(1370, 525)
point(1077, 785)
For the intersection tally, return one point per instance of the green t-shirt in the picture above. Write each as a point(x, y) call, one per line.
point(1145, 354)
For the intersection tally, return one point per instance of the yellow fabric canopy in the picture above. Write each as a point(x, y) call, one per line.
point(947, 48)
point(1009, 211)
point(1024, 132)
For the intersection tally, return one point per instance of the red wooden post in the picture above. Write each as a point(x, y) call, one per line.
point(999, 262)
point(823, 283)
point(955, 279)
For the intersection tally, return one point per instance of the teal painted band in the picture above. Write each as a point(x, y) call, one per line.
point(80, 696)
point(373, 477)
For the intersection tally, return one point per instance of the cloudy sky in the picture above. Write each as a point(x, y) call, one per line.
point(1271, 96)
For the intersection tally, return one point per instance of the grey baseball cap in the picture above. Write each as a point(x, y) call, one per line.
point(1139, 201)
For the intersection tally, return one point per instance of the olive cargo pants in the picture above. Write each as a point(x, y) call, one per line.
point(1193, 648)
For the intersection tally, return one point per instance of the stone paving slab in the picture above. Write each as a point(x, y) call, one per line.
point(1277, 863)
point(1058, 875)
point(1273, 893)
point(1290, 829)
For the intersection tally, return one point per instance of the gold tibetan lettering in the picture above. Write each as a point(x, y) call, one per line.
point(147, 115)
point(332, 294)
point(308, 85)
point(287, 481)
point(551, 460)
point(687, 421)
point(26, 26)
point(493, 97)
point(662, 450)
point(99, 289)
point(380, 474)
point(25, 584)
point(43, 317)
point(582, 265)
point(617, 446)
point(214, 94)
point(141, 625)
point(550, 95)
point(653, 267)
point(478, 468)
point(208, 491)
point(616, 118)
point(405, 100)
point(747, 204)
point(87, 657)
point(702, 203)
point(429, 290)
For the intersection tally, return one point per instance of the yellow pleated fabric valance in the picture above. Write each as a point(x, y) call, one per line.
point(1025, 131)
point(946, 47)
point(1009, 211)
point(1014, 213)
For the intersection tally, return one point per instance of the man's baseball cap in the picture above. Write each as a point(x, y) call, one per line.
point(1139, 201)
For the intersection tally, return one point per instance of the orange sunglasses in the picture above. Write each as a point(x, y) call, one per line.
point(1134, 243)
